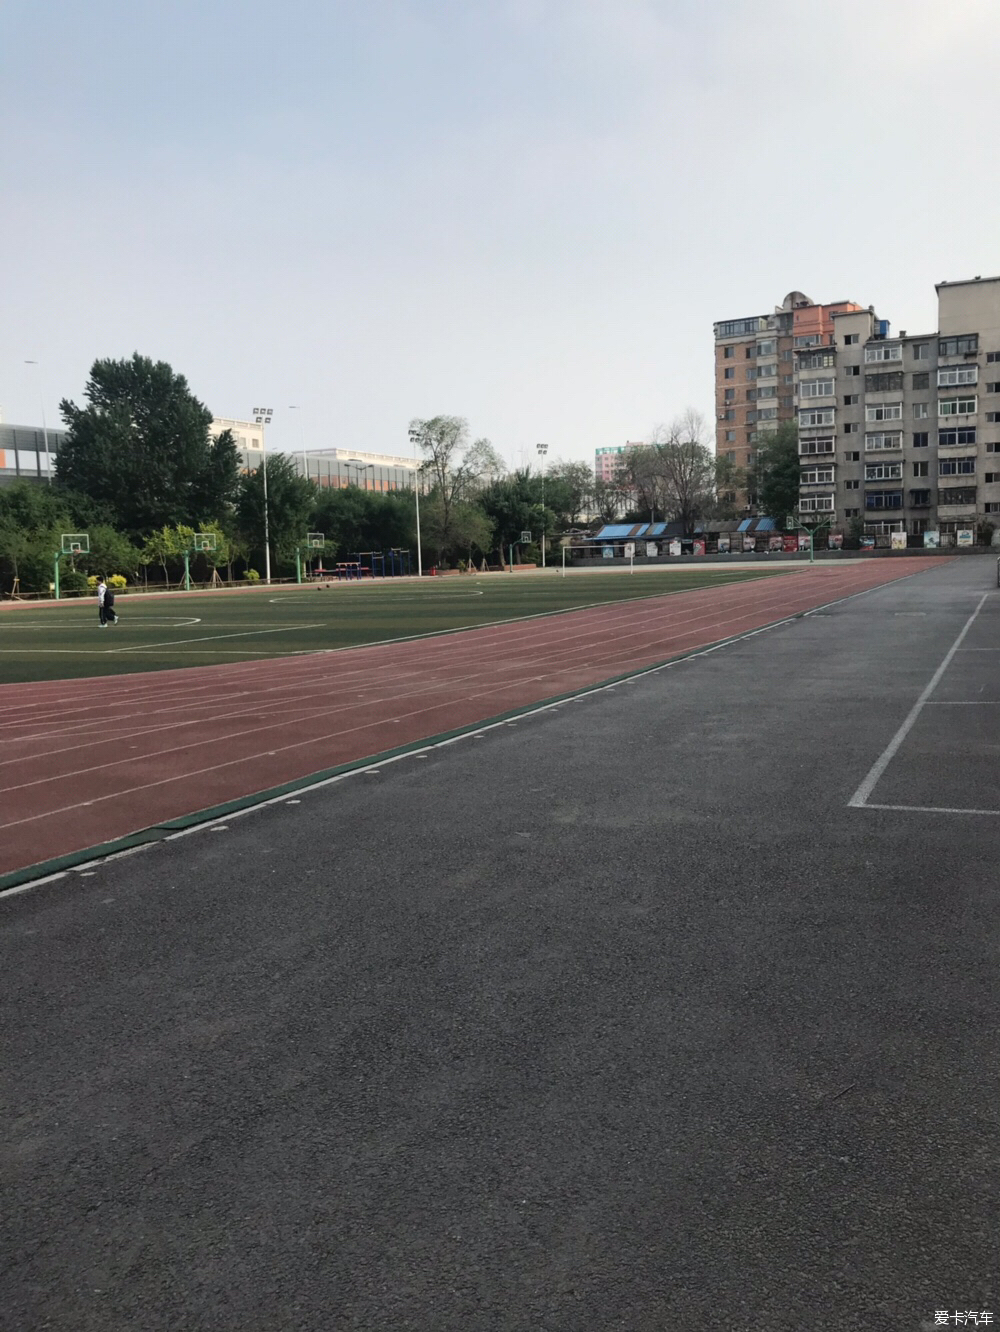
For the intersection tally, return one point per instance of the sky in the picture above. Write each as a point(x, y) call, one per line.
point(524, 212)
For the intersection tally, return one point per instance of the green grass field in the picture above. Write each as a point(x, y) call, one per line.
point(60, 641)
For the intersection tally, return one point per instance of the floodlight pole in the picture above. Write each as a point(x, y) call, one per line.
point(415, 441)
point(45, 431)
point(542, 450)
point(262, 416)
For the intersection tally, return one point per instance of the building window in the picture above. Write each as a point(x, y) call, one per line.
point(884, 411)
point(992, 506)
point(889, 382)
point(816, 388)
point(958, 495)
point(920, 498)
point(993, 417)
point(816, 416)
point(751, 417)
point(922, 381)
point(921, 351)
point(920, 410)
point(728, 353)
point(949, 438)
point(852, 485)
point(993, 447)
point(751, 395)
point(768, 391)
point(852, 456)
point(729, 373)
point(852, 371)
point(728, 415)
point(852, 513)
point(956, 467)
point(730, 435)
point(884, 471)
point(736, 328)
point(958, 346)
point(852, 428)
point(920, 468)
point(851, 399)
point(816, 504)
point(811, 447)
point(921, 438)
point(767, 348)
point(993, 356)
point(767, 413)
point(951, 376)
point(807, 340)
point(730, 395)
point(991, 478)
point(956, 406)
point(994, 387)
point(883, 351)
point(816, 360)
point(767, 371)
point(751, 374)
point(747, 355)
point(883, 499)
point(851, 339)
point(816, 476)
point(883, 441)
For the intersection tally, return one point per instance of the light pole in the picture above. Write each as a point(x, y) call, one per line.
point(415, 441)
point(262, 417)
point(362, 467)
point(45, 432)
point(294, 407)
point(542, 450)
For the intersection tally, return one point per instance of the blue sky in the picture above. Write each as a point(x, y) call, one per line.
point(524, 213)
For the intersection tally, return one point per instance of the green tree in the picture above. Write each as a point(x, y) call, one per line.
point(569, 490)
point(456, 469)
point(290, 503)
point(775, 472)
point(510, 506)
point(111, 553)
point(141, 446)
point(352, 519)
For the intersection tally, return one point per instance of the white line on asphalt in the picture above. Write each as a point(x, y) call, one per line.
point(860, 797)
point(933, 809)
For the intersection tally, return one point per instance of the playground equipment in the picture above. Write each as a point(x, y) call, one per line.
point(392, 563)
point(315, 541)
point(71, 543)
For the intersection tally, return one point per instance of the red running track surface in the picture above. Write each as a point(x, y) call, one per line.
point(83, 762)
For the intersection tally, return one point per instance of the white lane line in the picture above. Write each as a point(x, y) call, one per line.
point(933, 809)
point(963, 702)
point(211, 638)
point(860, 797)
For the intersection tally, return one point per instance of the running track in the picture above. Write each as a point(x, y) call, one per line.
point(84, 762)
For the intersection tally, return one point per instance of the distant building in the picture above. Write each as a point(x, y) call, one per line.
point(23, 453)
point(608, 459)
point(755, 373)
point(332, 467)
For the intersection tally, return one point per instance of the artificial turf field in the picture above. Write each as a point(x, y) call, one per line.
point(64, 640)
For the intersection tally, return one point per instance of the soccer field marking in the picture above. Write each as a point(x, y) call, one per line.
point(859, 800)
point(167, 621)
point(210, 638)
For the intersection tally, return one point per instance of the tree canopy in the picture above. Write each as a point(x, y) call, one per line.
point(776, 472)
point(142, 446)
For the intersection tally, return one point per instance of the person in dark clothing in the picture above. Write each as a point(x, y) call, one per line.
point(110, 614)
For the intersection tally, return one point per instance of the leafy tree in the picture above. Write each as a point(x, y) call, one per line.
point(569, 489)
point(469, 528)
point(290, 502)
point(689, 470)
point(609, 499)
point(141, 445)
point(455, 468)
point(510, 506)
point(355, 520)
point(776, 471)
point(111, 553)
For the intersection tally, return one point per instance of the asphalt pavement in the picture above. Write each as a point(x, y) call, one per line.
point(619, 1016)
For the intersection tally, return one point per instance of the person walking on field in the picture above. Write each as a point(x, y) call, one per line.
point(110, 614)
point(102, 592)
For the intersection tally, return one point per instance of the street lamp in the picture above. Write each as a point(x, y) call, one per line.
point(262, 417)
point(362, 467)
point(302, 441)
point(45, 433)
point(542, 450)
point(415, 441)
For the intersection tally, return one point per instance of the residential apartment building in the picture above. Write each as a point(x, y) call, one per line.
point(902, 434)
point(608, 460)
point(755, 373)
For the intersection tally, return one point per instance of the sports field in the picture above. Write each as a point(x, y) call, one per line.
point(64, 641)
